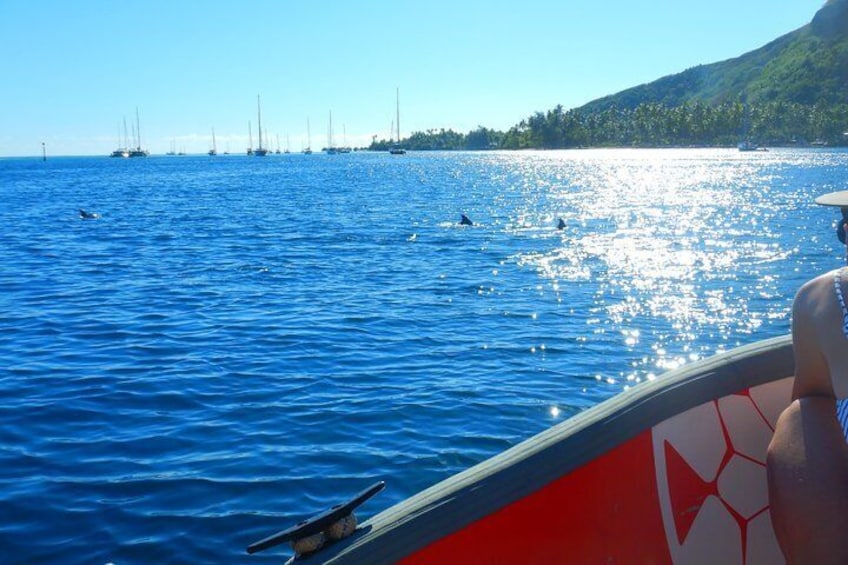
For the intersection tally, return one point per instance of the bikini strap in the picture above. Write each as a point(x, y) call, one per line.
point(837, 286)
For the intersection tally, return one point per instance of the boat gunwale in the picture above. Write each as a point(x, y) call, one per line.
point(470, 495)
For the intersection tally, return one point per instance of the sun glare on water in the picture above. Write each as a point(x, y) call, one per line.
point(659, 235)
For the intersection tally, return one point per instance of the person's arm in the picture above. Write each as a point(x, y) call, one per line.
point(807, 461)
point(812, 377)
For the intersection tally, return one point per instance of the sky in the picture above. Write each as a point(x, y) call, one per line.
point(73, 71)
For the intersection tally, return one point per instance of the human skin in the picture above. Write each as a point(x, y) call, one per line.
point(807, 459)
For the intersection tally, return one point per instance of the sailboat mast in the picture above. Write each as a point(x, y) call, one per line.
point(138, 127)
point(396, 149)
point(259, 116)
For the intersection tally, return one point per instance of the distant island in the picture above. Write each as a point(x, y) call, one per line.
point(791, 92)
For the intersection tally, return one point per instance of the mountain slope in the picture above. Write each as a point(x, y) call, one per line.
point(807, 66)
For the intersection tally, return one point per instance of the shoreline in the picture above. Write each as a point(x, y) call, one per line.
point(764, 149)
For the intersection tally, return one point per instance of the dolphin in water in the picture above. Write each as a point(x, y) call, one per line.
point(560, 224)
point(88, 215)
point(464, 221)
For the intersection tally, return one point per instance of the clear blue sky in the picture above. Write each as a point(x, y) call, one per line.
point(73, 70)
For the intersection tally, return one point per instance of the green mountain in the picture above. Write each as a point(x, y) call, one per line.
point(808, 66)
point(791, 91)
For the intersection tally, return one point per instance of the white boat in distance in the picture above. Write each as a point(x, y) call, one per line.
point(138, 151)
point(748, 145)
point(331, 148)
point(260, 151)
point(214, 150)
point(396, 148)
point(308, 150)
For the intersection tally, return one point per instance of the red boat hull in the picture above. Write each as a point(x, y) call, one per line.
point(671, 471)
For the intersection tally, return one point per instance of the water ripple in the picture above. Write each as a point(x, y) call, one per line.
point(236, 343)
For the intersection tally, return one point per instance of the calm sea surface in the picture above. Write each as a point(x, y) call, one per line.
point(239, 342)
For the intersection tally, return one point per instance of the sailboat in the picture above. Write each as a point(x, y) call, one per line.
point(249, 139)
point(344, 148)
point(138, 151)
point(121, 151)
point(214, 150)
point(396, 149)
point(331, 149)
point(260, 151)
point(746, 144)
point(308, 150)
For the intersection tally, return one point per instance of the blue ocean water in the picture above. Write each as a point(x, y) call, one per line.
point(237, 343)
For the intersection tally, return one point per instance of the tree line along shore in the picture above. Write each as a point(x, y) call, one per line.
point(772, 124)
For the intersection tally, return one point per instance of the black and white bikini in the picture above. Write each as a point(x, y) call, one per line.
point(841, 405)
point(837, 286)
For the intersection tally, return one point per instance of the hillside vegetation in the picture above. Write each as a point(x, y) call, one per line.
point(794, 90)
point(808, 66)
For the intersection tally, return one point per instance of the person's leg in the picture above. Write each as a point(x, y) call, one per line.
point(808, 483)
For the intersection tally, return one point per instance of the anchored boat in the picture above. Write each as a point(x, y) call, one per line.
point(397, 148)
point(214, 151)
point(138, 151)
point(260, 151)
point(670, 471)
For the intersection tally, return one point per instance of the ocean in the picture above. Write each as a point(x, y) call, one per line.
point(236, 343)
